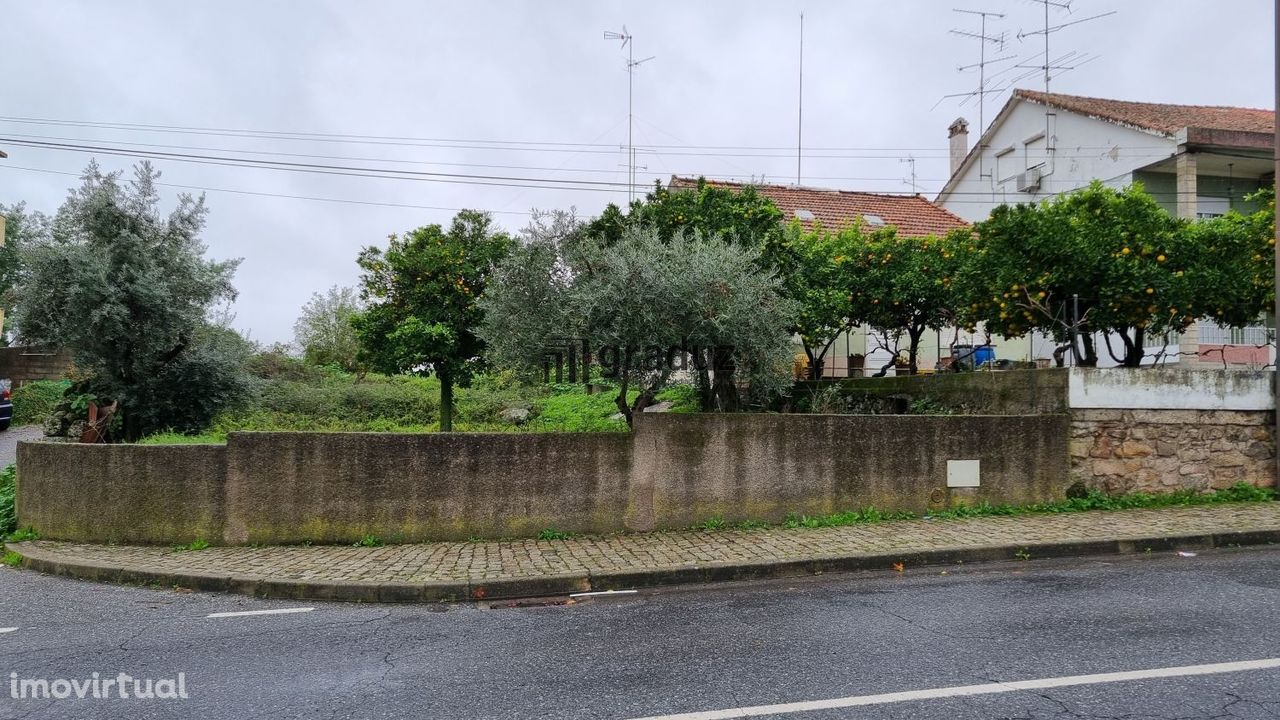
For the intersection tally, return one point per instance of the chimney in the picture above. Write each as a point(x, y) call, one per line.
point(959, 134)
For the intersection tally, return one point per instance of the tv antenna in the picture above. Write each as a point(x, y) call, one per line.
point(632, 64)
point(910, 160)
point(1050, 65)
point(984, 39)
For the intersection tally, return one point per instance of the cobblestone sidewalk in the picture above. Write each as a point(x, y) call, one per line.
point(453, 570)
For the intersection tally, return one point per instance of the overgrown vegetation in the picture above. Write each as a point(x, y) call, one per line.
point(1090, 500)
point(290, 394)
point(35, 401)
point(8, 491)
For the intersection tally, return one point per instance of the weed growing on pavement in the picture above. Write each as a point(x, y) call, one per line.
point(193, 546)
point(715, 523)
point(553, 534)
point(1091, 500)
point(369, 541)
point(24, 534)
point(1022, 554)
point(11, 558)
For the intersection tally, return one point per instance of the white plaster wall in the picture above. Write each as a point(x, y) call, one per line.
point(1170, 389)
point(1087, 149)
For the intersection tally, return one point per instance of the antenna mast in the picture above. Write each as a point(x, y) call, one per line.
point(983, 40)
point(800, 110)
point(1048, 65)
point(632, 63)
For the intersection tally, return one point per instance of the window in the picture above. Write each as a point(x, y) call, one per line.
point(1033, 152)
point(1212, 207)
point(1006, 164)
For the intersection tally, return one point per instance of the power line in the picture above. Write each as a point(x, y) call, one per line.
point(460, 144)
point(344, 201)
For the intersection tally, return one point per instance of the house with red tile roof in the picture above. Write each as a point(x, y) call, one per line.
point(911, 215)
point(1195, 160)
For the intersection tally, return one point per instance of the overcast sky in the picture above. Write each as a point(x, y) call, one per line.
point(469, 88)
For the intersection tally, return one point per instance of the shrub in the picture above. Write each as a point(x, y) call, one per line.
point(33, 403)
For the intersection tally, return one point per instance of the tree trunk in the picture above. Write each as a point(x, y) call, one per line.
point(913, 350)
point(624, 383)
point(724, 389)
point(446, 401)
point(1090, 356)
point(1133, 350)
point(706, 394)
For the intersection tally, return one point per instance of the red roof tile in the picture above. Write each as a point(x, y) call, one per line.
point(1160, 117)
point(912, 215)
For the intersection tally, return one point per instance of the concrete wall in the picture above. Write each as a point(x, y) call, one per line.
point(1015, 392)
point(25, 364)
point(339, 487)
point(674, 471)
point(122, 493)
point(1171, 389)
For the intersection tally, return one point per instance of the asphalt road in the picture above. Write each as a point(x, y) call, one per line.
point(683, 650)
point(10, 438)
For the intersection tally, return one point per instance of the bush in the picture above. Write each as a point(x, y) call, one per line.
point(8, 490)
point(33, 403)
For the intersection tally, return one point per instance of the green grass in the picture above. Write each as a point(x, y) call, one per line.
point(194, 546)
point(369, 541)
point(1093, 500)
point(34, 401)
point(326, 400)
point(553, 534)
point(11, 558)
point(23, 535)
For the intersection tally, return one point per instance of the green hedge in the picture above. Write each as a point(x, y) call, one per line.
point(8, 490)
point(33, 402)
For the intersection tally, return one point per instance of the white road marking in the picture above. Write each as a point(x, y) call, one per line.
point(599, 593)
point(964, 690)
point(7, 630)
point(246, 613)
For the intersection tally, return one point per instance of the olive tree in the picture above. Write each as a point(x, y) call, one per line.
point(645, 302)
point(129, 291)
point(324, 331)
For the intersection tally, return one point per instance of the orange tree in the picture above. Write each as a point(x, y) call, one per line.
point(900, 287)
point(1115, 262)
point(421, 293)
point(814, 268)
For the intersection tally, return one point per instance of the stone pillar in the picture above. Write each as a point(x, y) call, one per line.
point(1186, 185)
point(1189, 347)
point(1189, 344)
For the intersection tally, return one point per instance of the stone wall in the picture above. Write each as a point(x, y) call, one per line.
point(673, 471)
point(1161, 450)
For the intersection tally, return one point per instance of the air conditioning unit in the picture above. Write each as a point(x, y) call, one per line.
point(1029, 181)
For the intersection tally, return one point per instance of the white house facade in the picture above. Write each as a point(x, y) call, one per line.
point(1196, 161)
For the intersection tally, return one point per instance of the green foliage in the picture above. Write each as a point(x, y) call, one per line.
point(22, 228)
point(35, 401)
point(422, 293)
point(902, 287)
point(324, 331)
point(815, 275)
point(8, 493)
point(638, 301)
point(683, 398)
point(1138, 271)
point(128, 290)
point(194, 546)
point(553, 534)
point(11, 559)
point(23, 535)
point(369, 541)
point(742, 217)
point(575, 411)
point(173, 438)
point(853, 517)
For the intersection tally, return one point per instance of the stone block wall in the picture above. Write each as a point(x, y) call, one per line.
point(1120, 451)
